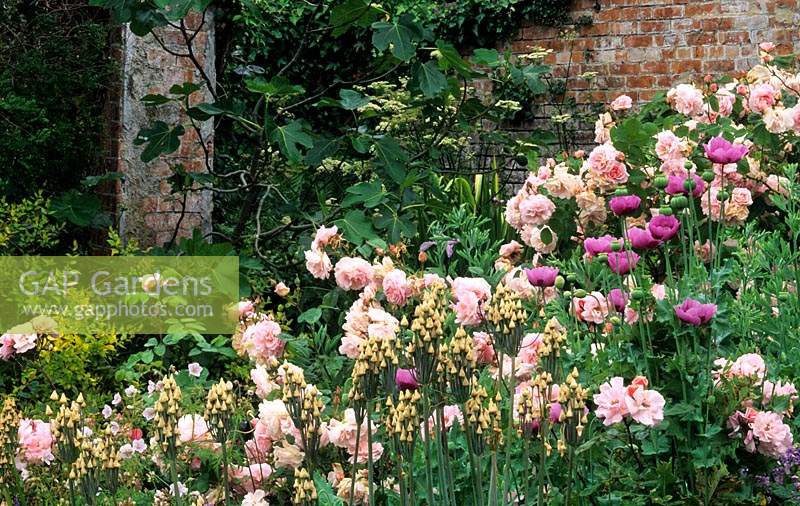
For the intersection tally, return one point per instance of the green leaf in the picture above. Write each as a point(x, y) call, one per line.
point(82, 209)
point(352, 13)
point(397, 226)
point(399, 35)
point(430, 79)
point(310, 316)
point(325, 494)
point(368, 193)
point(356, 227)
point(155, 99)
point(451, 59)
point(288, 137)
point(159, 139)
point(108, 177)
point(324, 146)
point(487, 57)
point(184, 89)
point(352, 100)
point(632, 137)
point(392, 157)
point(277, 86)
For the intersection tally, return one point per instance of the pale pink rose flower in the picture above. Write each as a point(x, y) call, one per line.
point(774, 437)
point(450, 414)
point(778, 119)
point(536, 210)
point(261, 340)
point(528, 356)
point(246, 308)
point(512, 213)
point(604, 163)
point(250, 478)
point(767, 47)
point(511, 249)
point(563, 184)
point(353, 273)
point(318, 263)
point(470, 295)
point(779, 389)
point(621, 103)
point(275, 419)
point(323, 236)
point(396, 287)
point(483, 348)
point(610, 401)
point(193, 428)
point(288, 456)
point(281, 289)
point(35, 441)
point(749, 365)
point(686, 99)
point(262, 381)
point(533, 237)
point(645, 406)
point(669, 146)
point(602, 128)
point(741, 196)
point(592, 308)
point(255, 498)
point(762, 97)
point(726, 100)
point(674, 167)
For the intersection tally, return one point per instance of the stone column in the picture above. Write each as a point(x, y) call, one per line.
point(146, 210)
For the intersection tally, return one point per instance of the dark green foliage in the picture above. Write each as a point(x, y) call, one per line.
point(54, 74)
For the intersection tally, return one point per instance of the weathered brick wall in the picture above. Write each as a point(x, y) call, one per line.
point(639, 47)
point(146, 209)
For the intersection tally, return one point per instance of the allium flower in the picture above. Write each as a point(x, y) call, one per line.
point(720, 150)
point(663, 227)
point(675, 185)
point(642, 239)
point(542, 276)
point(622, 262)
point(622, 206)
point(618, 299)
point(694, 312)
point(406, 379)
point(597, 245)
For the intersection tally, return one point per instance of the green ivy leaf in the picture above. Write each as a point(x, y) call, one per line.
point(159, 139)
point(288, 137)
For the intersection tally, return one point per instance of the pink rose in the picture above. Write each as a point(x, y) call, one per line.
point(193, 428)
point(774, 437)
point(482, 348)
point(323, 237)
point(318, 263)
point(592, 308)
point(686, 99)
point(353, 273)
point(536, 210)
point(35, 441)
point(762, 97)
point(396, 287)
point(622, 102)
point(611, 401)
point(262, 340)
point(645, 406)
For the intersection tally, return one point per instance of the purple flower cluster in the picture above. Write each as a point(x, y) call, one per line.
point(695, 312)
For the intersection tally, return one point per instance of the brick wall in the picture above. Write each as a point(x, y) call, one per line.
point(146, 209)
point(639, 47)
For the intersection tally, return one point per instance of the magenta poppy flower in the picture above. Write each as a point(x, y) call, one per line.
point(542, 276)
point(675, 186)
point(663, 227)
point(406, 379)
point(617, 298)
point(625, 205)
point(695, 312)
point(719, 150)
point(622, 262)
point(641, 238)
point(555, 412)
point(596, 245)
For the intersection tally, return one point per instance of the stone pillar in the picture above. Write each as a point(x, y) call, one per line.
point(146, 210)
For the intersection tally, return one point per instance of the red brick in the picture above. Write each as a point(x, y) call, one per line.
point(668, 12)
point(638, 41)
point(640, 82)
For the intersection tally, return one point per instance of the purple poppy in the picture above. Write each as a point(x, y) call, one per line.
point(719, 150)
point(663, 227)
point(406, 379)
point(641, 238)
point(597, 245)
point(622, 262)
point(695, 312)
point(618, 299)
point(542, 276)
point(675, 186)
point(627, 204)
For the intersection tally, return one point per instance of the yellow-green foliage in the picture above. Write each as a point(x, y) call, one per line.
point(27, 227)
point(71, 363)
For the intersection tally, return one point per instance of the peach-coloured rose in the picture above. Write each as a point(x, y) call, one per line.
point(193, 428)
point(318, 263)
point(323, 236)
point(353, 273)
point(288, 456)
point(396, 287)
point(621, 103)
point(281, 289)
point(762, 97)
point(686, 99)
